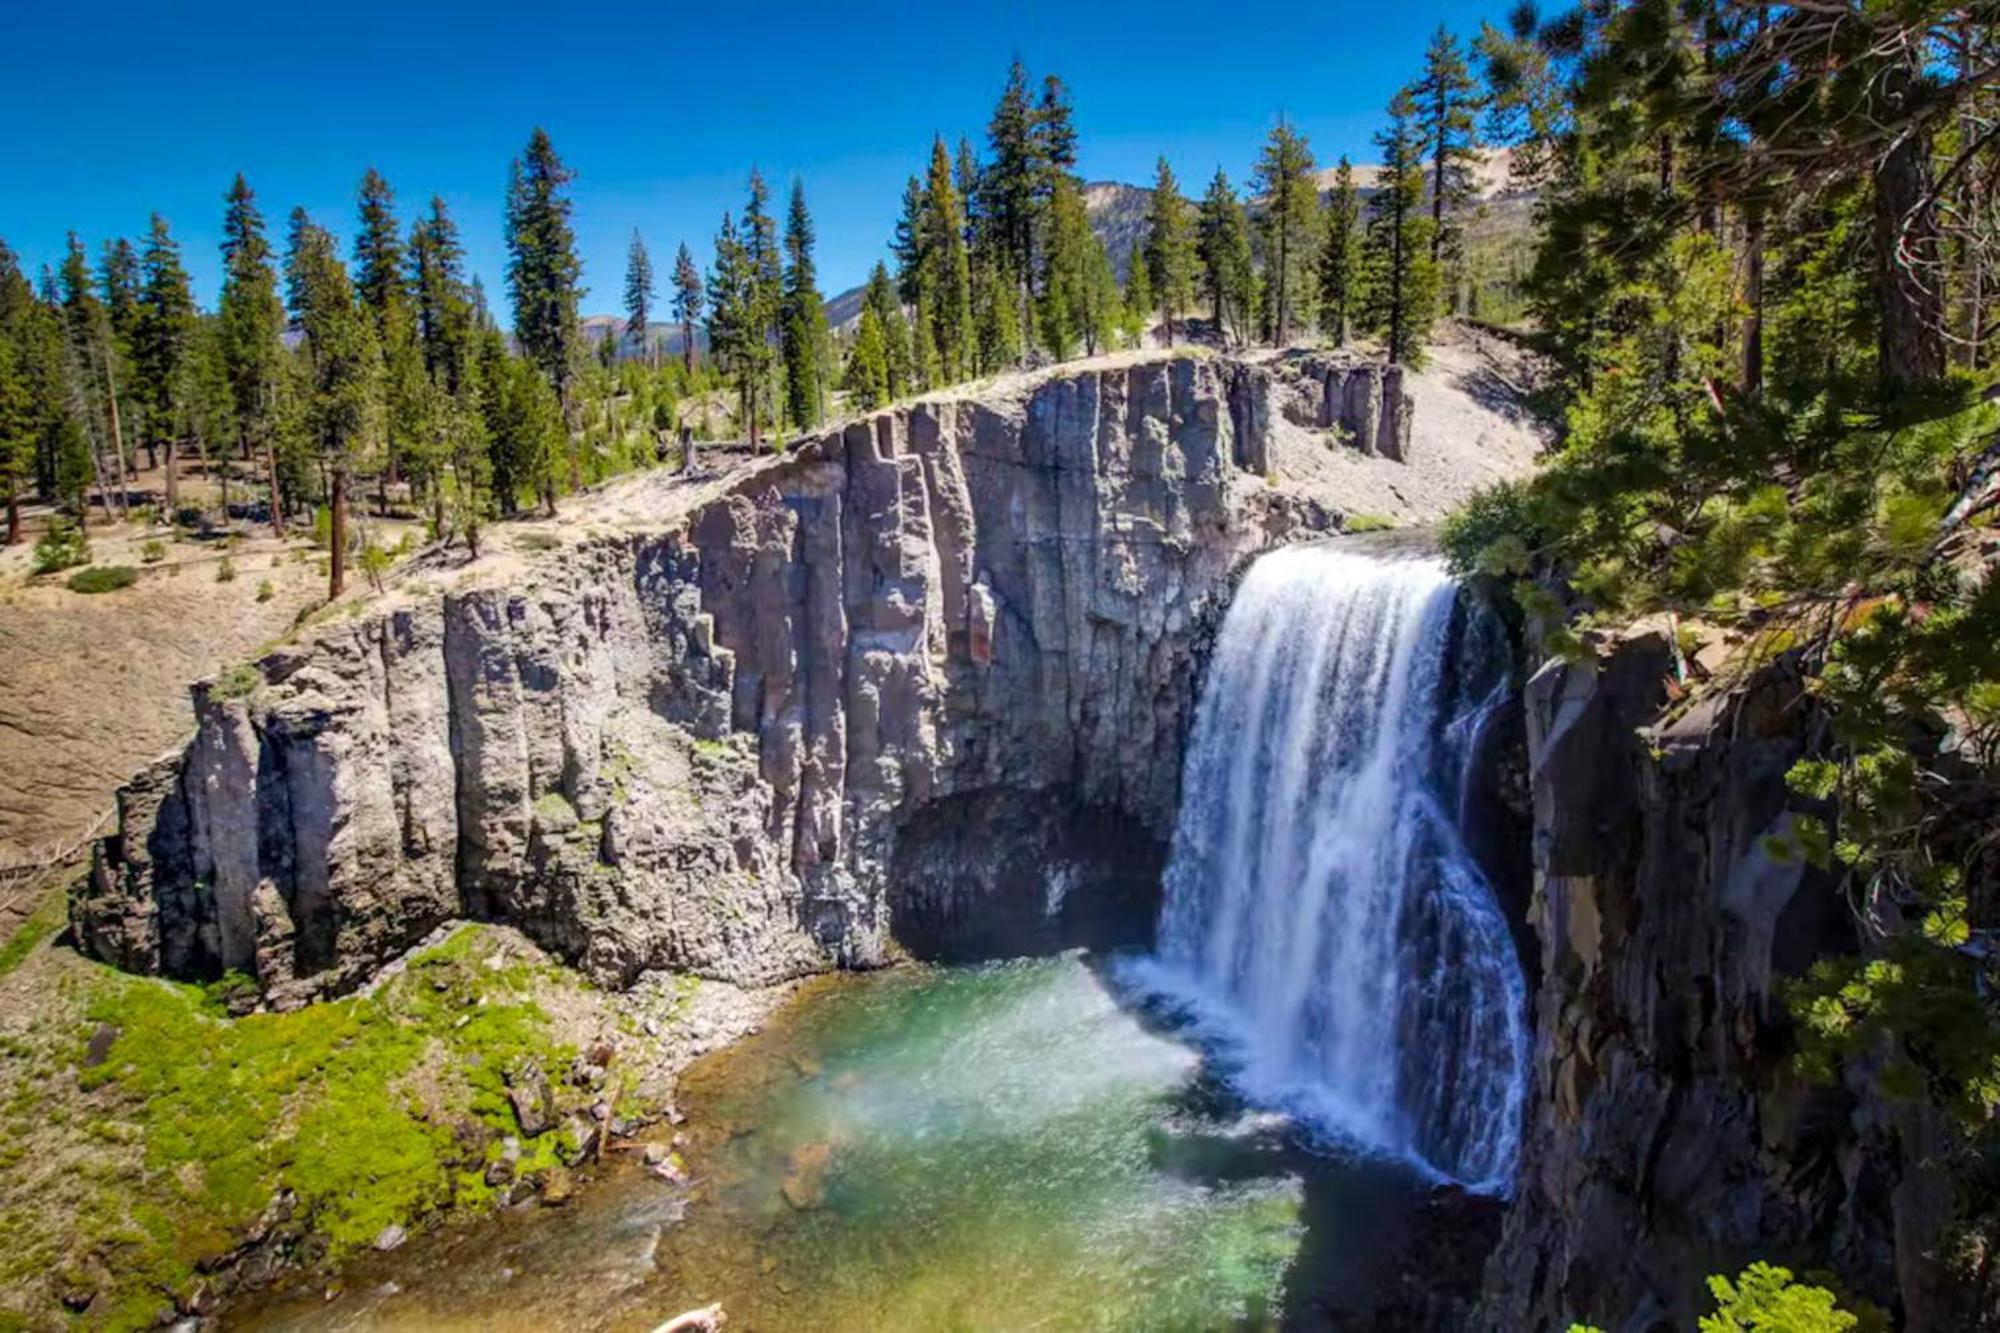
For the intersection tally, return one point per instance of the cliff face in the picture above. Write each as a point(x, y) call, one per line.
point(940, 659)
point(1668, 1136)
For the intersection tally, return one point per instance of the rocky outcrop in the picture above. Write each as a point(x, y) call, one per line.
point(1359, 403)
point(1668, 1135)
point(701, 747)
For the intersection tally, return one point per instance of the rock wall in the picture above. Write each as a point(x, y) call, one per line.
point(698, 748)
point(1668, 1136)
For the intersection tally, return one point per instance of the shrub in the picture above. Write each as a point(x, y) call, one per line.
point(103, 578)
point(153, 552)
point(1369, 523)
point(63, 546)
point(265, 592)
point(225, 570)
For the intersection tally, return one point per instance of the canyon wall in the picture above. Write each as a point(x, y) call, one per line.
point(950, 647)
point(1668, 1135)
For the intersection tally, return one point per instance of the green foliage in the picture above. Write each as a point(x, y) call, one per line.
point(1287, 187)
point(1766, 1300)
point(1169, 259)
point(153, 552)
point(265, 592)
point(64, 545)
point(1368, 523)
point(1227, 273)
point(42, 924)
point(225, 570)
point(322, 1101)
point(237, 682)
point(1401, 282)
point(103, 578)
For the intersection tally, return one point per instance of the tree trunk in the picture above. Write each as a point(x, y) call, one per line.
point(13, 518)
point(1753, 302)
point(173, 477)
point(117, 436)
point(687, 345)
point(277, 495)
point(575, 443)
point(1906, 251)
point(337, 535)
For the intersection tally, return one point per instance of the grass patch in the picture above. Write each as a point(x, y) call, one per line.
point(1368, 523)
point(102, 578)
point(240, 681)
point(370, 1110)
point(536, 541)
point(42, 924)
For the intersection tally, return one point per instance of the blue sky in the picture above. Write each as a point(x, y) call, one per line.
point(120, 110)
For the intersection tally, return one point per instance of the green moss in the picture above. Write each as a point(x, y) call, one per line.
point(553, 805)
point(1368, 523)
point(351, 1104)
point(47, 919)
point(237, 682)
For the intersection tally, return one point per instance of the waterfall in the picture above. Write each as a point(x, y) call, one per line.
point(1323, 917)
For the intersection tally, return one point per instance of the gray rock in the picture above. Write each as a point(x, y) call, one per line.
point(699, 748)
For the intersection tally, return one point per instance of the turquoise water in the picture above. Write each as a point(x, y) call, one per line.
point(1005, 1146)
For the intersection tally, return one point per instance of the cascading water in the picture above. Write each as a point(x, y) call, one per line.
point(1323, 916)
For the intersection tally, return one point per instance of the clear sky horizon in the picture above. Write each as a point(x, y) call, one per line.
point(123, 110)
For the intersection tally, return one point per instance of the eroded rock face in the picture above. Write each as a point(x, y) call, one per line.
point(700, 749)
point(1668, 1135)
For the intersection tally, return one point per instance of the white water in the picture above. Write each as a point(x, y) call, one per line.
point(1323, 917)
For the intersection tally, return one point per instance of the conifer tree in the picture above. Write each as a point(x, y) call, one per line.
point(1009, 187)
point(1103, 316)
point(378, 250)
point(443, 297)
point(688, 302)
point(759, 236)
point(252, 320)
point(1169, 258)
point(17, 430)
point(118, 276)
point(944, 269)
point(90, 362)
point(898, 355)
point(1339, 258)
point(805, 334)
point(1402, 280)
point(543, 273)
point(1446, 103)
point(1067, 275)
point(639, 296)
point(1284, 181)
point(344, 367)
point(165, 322)
point(867, 377)
point(735, 326)
point(1227, 274)
point(1139, 302)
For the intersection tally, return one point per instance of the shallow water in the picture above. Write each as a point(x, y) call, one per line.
point(1006, 1146)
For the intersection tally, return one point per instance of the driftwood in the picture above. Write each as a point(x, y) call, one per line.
point(705, 1320)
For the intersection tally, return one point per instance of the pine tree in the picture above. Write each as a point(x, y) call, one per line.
point(1339, 258)
point(118, 276)
point(378, 250)
point(867, 377)
point(759, 235)
point(1227, 273)
point(17, 427)
point(542, 277)
point(1402, 280)
point(1009, 188)
point(344, 366)
point(1284, 181)
point(1103, 315)
point(90, 364)
point(735, 326)
point(944, 269)
point(805, 339)
point(252, 325)
point(1446, 102)
point(906, 244)
point(1139, 302)
point(639, 296)
point(1169, 258)
point(898, 355)
point(1067, 276)
point(444, 302)
point(165, 322)
point(688, 302)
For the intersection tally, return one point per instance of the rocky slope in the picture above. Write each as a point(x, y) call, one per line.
point(938, 659)
point(1668, 1136)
